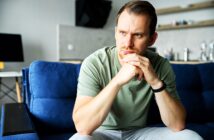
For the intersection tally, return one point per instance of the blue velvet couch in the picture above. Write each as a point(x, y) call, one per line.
point(49, 91)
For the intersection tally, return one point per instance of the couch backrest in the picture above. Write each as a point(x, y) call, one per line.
point(195, 85)
point(52, 88)
point(51, 95)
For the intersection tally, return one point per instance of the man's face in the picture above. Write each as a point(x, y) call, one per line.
point(132, 34)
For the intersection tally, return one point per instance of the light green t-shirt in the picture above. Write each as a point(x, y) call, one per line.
point(130, 108)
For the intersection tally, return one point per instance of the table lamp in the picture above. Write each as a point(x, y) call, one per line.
point(10, 48)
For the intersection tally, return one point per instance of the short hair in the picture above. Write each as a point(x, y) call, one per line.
point(141, 7)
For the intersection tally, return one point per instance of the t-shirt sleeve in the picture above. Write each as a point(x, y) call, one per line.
point(88, 81)
point(167, 75)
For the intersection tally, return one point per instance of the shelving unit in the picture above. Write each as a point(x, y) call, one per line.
point(204, 23)
point(190, 7)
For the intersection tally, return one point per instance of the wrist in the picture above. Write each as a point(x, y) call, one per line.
point(159, 87)
point(117, 82)
point(156, 84)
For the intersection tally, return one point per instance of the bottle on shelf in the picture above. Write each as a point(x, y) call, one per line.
point(186, 54)
point(211, 51)
point(203, 54)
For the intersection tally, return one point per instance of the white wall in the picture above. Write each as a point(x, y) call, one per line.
point(36, 21)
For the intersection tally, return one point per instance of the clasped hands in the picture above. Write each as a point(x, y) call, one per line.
point(140, 66)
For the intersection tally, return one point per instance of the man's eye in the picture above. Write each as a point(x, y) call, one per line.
point(122, 33)
point(139, 35)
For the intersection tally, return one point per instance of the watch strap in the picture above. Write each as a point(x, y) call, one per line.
point(161, 88)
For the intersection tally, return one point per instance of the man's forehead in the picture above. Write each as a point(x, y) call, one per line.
point(134, 22)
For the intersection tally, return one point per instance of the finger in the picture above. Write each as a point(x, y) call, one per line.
point(136, 63)
point(139, 71)
point(140, 75)
point(145, 60)
point(140, 60)
point(131, 57)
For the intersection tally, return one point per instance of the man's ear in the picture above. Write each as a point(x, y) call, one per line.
point(153, 39)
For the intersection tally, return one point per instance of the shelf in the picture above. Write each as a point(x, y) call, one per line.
point(190, 7)
point(204, 23)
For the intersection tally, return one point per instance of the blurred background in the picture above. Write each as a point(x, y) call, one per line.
point(69, 30)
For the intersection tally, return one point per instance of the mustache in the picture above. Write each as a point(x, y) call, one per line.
point(125, 50)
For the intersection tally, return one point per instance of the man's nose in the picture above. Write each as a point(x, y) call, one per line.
point(129, 41)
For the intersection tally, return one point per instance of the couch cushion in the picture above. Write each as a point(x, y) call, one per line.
point(53, 91)
point(189, 87)
point(25, 136)
point(57, 136)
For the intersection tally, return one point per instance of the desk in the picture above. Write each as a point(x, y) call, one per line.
point(15, 75)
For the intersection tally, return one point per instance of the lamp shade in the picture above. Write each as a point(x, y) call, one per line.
point(11, 49)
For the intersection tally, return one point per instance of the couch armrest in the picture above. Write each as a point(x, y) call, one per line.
point(15, 120)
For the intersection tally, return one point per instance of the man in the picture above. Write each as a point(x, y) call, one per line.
point(116, 85)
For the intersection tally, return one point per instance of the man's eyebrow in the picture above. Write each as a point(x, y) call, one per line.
point(122, 30)
point(139, 33)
